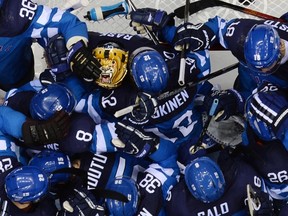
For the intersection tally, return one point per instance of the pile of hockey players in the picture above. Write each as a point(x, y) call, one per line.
point(106, 129)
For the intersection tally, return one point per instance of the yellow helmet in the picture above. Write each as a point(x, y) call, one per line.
point(113, 62)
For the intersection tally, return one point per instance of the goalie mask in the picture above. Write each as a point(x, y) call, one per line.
point(113, 60)
point(205, 179)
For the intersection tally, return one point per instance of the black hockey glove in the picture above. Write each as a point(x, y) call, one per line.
point(35, 132)
point(154, 19)
point(193, 37)
point(80, 202)
point(48, 77)
point(150, 189)
point(259, 203)
point(230, 102)
point(82, 62)
point(147, 107)
point(133, 141)
point(270, 105)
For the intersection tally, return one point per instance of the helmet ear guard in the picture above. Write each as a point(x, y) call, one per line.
point(114, 65)
point(262, 49)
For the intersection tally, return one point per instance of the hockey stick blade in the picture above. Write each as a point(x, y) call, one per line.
point(167, 94)
point(203, 4)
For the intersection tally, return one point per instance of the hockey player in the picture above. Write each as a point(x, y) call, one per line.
point(266, 138)
point(22, 22)
point(154, 179)
point(265, 39)
point(45, 129)
point(211, 189)
point(176, 116)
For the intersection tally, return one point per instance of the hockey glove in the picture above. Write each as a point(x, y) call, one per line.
point(230, 102)
point(270, 105)
point(81, 202)
point(147, 107)
point(48, 77)
point(193, 37)
point(82, 62)
point(37, 133)
point(133, 141)
point(259, 203)
point(154, 19)
point(151, 196)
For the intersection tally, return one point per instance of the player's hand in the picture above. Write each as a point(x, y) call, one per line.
point(48, 77)
point(192, 37)
point(270, 105)
point(81, 202)
point(259, 203)
point(36, 132)
point(147, 107)
point(230, 102)
point(134, 141)
point(154, 19)
point(82, 62)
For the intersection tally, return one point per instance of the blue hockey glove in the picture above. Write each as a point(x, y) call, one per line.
point(154, 19)
point(193, 37)
point(82, 62)
point(270, 105)
point(133, 141)
point(230, 102)
point(81, 202)
point(142, 113)
point(56, 54)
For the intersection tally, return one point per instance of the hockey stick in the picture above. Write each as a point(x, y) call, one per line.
point(181, 79)
point(151, 34)
point(203, 4)
point(167, 94)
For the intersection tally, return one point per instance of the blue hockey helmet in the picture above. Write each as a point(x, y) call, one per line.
point(50, 161)
point(149, 70)
point(51, 99)
point(262, 49)
point(205, 179)
point(26, 184)
point(127, 187)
